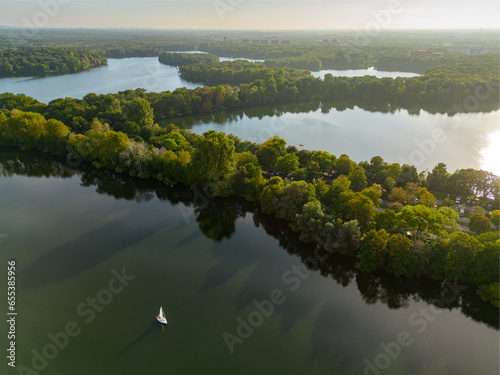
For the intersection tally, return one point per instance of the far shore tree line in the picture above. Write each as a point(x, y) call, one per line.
point(457, 82)
point(470, 77)
point(331, 201)
point(45, 61)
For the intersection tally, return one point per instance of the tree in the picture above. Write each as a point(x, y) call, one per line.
point(349, 235)
point(131, 128)
point(438, 178)
point(421, 219)
point(362, 209)
point(412, 189)
point(103, 145)
point(490, 293)
point(55, 137)
point(24, 129)
point(396, 207)
point(357, 178)
point(248, 181)
point(344, 165)
point(389, 184)
point(461, 252)
point(172, 141)
point(320, 188)
point(374, 192)
point(331, 199)
point(479, 223)
point(375, 170)
point(293, 197)
point(271, 195)
point(401, 260)
point(486, 265)
point(390, 221)
point(213, 162)
point(426, 198)
point(325, 161)
point(317, 227)
point(139, 111)
point(495, 218)
point(269, 152)
point(373, 251)
point(393, 171)
point(287, 164)
point(245, 157)
point(399, 195)
point(462, 182)
point(450, 224)
point(312, 171)
point(311, 221)
point(408, 174)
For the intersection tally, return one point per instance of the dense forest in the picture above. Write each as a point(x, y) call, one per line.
point(236, 72)
point(330, 201)
point(337, 56)
point(41, 61)
point(384, 50)
point(450, 84)
point(180, 59)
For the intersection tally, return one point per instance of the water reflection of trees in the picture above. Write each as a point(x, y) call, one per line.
point(216, 219)
point(373, 106)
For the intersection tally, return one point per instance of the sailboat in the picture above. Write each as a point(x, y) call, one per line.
point(161, 316)
point(178, 70)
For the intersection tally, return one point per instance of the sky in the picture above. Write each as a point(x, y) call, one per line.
point(253, 14)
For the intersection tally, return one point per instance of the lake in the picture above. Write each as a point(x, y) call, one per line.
point(118, 75)
point(470, 140)
point(462, 141)
point(97, 253)
point(362, 72)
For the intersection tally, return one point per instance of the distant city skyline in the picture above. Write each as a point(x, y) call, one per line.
point(252, 14)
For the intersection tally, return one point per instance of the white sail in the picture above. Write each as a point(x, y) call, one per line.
point(161, 316)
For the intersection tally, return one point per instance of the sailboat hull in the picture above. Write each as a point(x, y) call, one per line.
point(161, 320)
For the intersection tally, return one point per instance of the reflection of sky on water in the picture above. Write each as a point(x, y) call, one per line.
point(490, 155)
point(462, 141)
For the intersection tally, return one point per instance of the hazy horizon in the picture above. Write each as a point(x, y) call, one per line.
point(248, 15)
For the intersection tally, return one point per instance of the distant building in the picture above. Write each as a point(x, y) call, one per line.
point(476, 50)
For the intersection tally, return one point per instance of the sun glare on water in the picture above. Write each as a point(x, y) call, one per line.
point(490, 155)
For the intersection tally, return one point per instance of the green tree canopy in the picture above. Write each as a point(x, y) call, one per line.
point(269, 152)
point(213, 161)
point(287, 163)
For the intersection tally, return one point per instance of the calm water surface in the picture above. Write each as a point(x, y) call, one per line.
point(206, 264)
point(469, 140)
point(118, 75)
point(362, 72)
